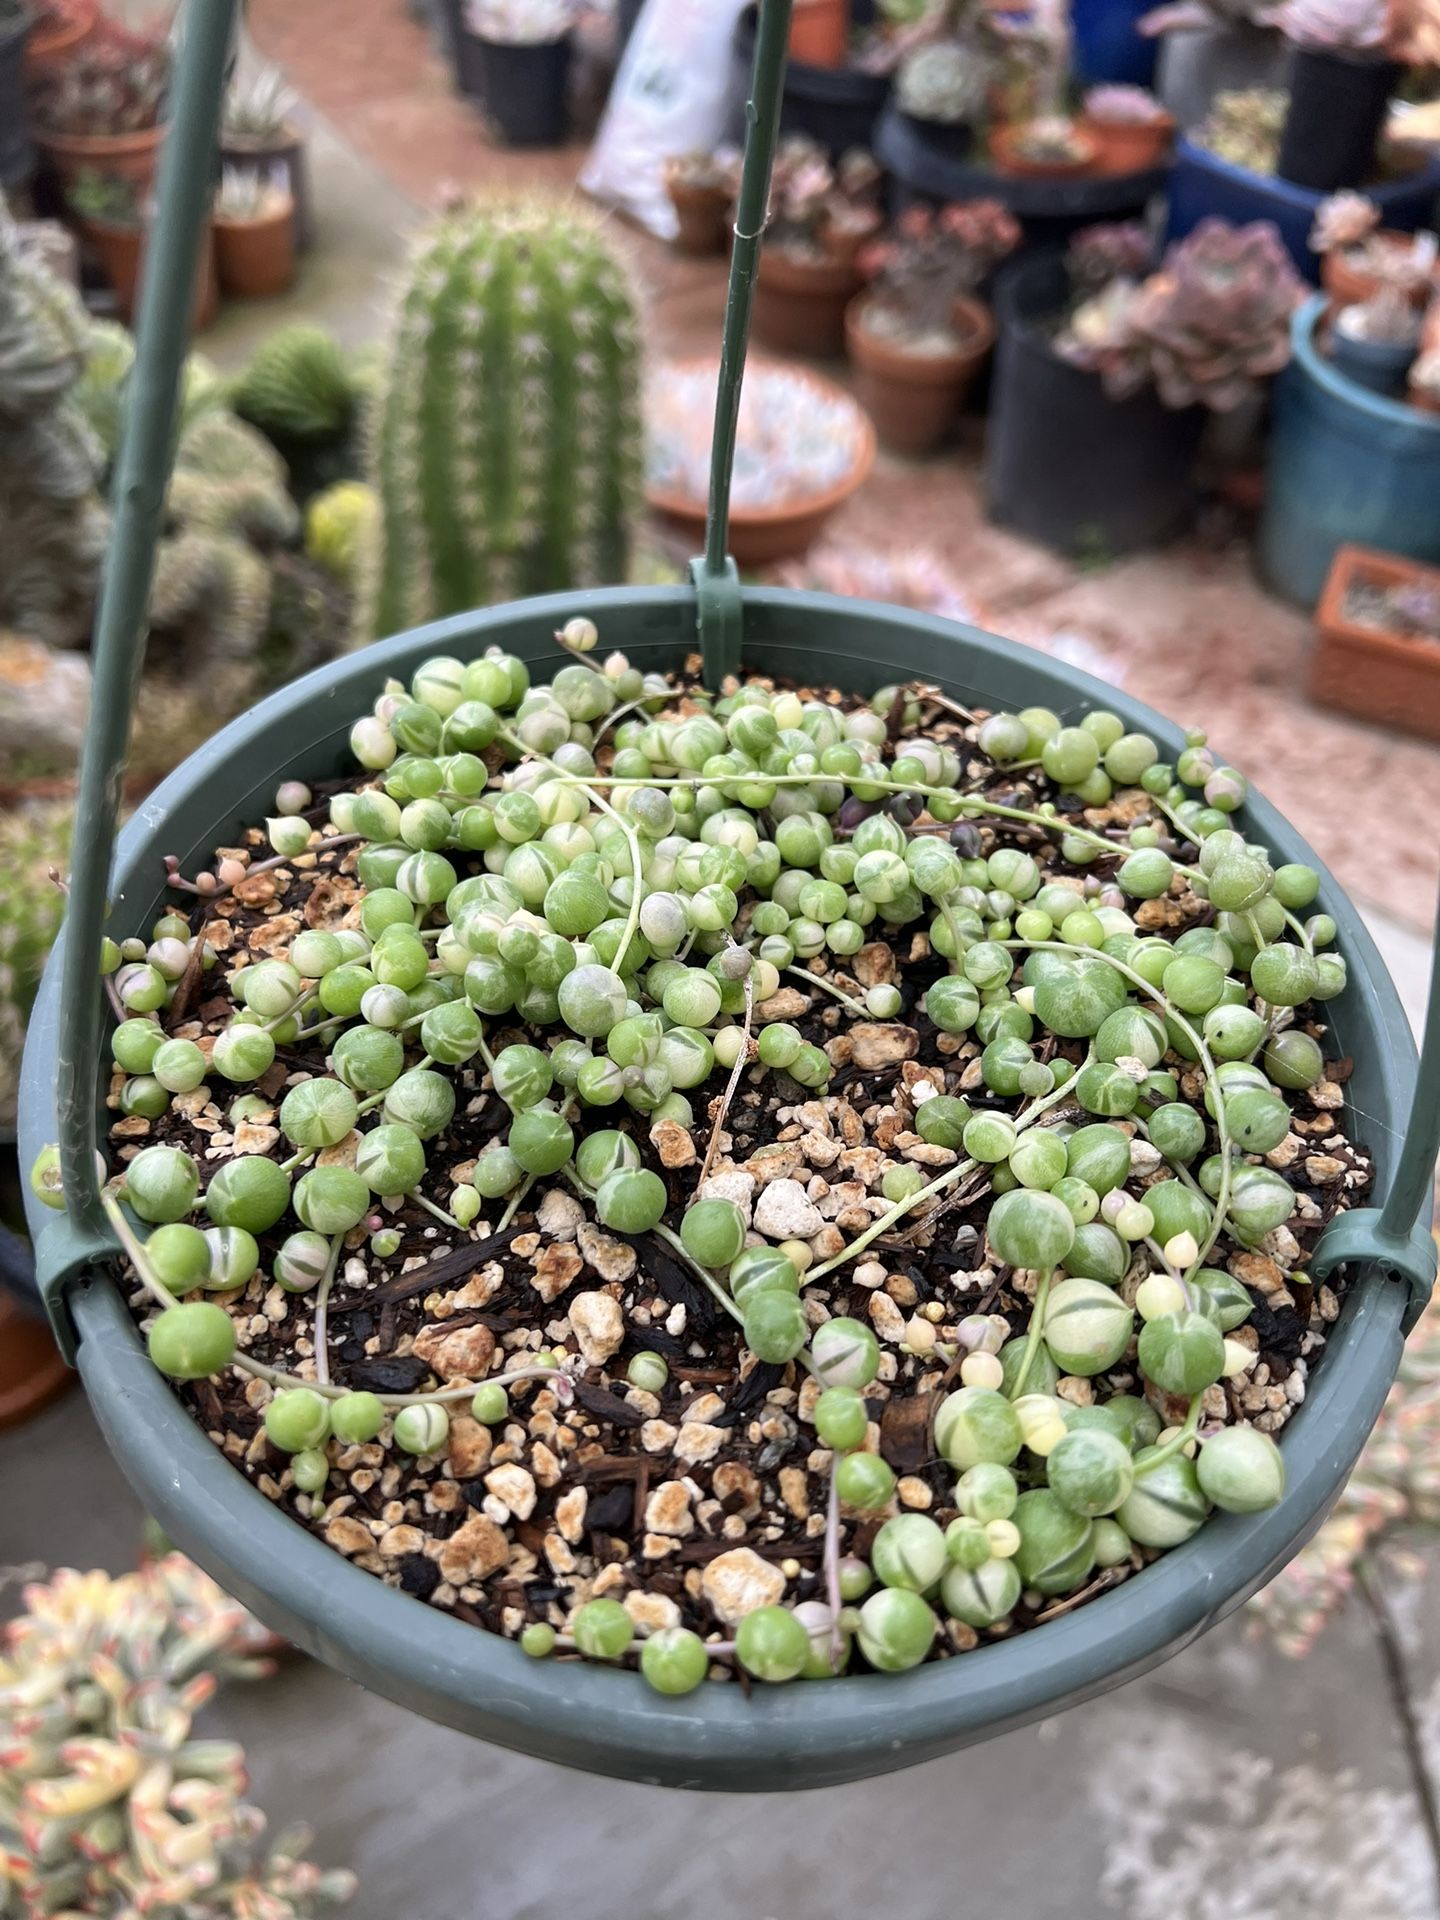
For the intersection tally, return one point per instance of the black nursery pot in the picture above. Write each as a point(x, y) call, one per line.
point(1337, 108)
point(836, 106)
point(17, 157)
point(1064, 463)
point(522, 88)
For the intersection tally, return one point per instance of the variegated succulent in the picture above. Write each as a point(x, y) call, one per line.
point(1344, 220)
point(108, 1803)
point(1337, 26)
point(1203, 330)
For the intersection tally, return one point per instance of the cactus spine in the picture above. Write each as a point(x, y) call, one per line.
point(508, 445)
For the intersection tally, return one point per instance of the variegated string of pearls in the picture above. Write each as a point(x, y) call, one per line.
point(631, 919)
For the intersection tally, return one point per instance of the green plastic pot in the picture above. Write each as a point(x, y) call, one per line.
point(608, 1720)
point(812, 1735)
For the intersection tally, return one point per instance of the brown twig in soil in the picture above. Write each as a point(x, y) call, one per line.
point(218, 889)
point(936, 698)
point(114, 998)
point(742, 1060)
point(1111, 1577)
point(1392, 1657)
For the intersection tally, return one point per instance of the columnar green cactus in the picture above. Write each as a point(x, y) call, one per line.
point(508, 446)
point(108, 1805)
point(32, 840)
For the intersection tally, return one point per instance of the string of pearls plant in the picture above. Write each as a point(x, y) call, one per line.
point(627, 870)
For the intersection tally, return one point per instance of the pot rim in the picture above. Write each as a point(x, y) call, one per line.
point(1306, 358)
point(98, 146)
point(606, 1720)
point(916, 369)
point(263, 222)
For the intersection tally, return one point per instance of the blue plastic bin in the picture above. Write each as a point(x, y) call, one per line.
point(1201, 185)
point(1107, 47)
point(1345, 465)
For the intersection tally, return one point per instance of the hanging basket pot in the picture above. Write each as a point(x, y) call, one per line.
point(594, 1716)
point(812, 1735)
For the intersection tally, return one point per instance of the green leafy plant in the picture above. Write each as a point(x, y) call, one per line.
point(52, 522)
point(109, 1803)
point(508, 448)
point(105, 199)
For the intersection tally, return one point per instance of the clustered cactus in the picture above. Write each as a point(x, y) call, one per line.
point(52, 523)
point(1203, 330)
point(508, 445)
point(108, 1805)
point(32, 841)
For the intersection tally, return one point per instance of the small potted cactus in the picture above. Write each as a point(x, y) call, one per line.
point(1131, 130)
point(1341, 79)
point(1358, 255)
point(917, 336)
point(259, 134)
point(1106, 375)
point(940, 91)
point(102, 109)
point(820, 217)
point(254, 233)
point(1379, 651)
point(701, 186)
point(514, 57)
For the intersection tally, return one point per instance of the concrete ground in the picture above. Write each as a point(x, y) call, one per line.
point(1234, 1784)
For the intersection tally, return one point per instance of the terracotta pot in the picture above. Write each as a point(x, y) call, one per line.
point(1385, 677)
point(1007, 152)
point(256, 258)
point(286, 156)
point(1349, 285)
point(914, 398)
point(820, 32)
point(120, 156)
point(48, 46)
point(761, 535)
point(800, 304)
point(32, 1374)
point(1129, 146)
point(121, 251)
point(701, 213)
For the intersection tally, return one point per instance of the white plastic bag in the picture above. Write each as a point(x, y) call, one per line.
point(670, 97)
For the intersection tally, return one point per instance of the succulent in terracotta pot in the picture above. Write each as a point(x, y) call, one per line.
point(820, 217)
point(1052, 146)
point(1358, 255)
point(1130, 127)
point(918, 336)
point(255, 232)
point(1203, 329)
point(701, 185)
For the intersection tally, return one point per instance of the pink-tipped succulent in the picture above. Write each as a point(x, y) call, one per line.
point(810, 199)
point(1123, 106)
point(115, 83)
point(933, 259)
point(1343, 221)
point(1203, 330)
point(108, 1805)
point(1337, 26)
point(1111, 250)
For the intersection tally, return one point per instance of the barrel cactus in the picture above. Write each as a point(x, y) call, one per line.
point(508, 445)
